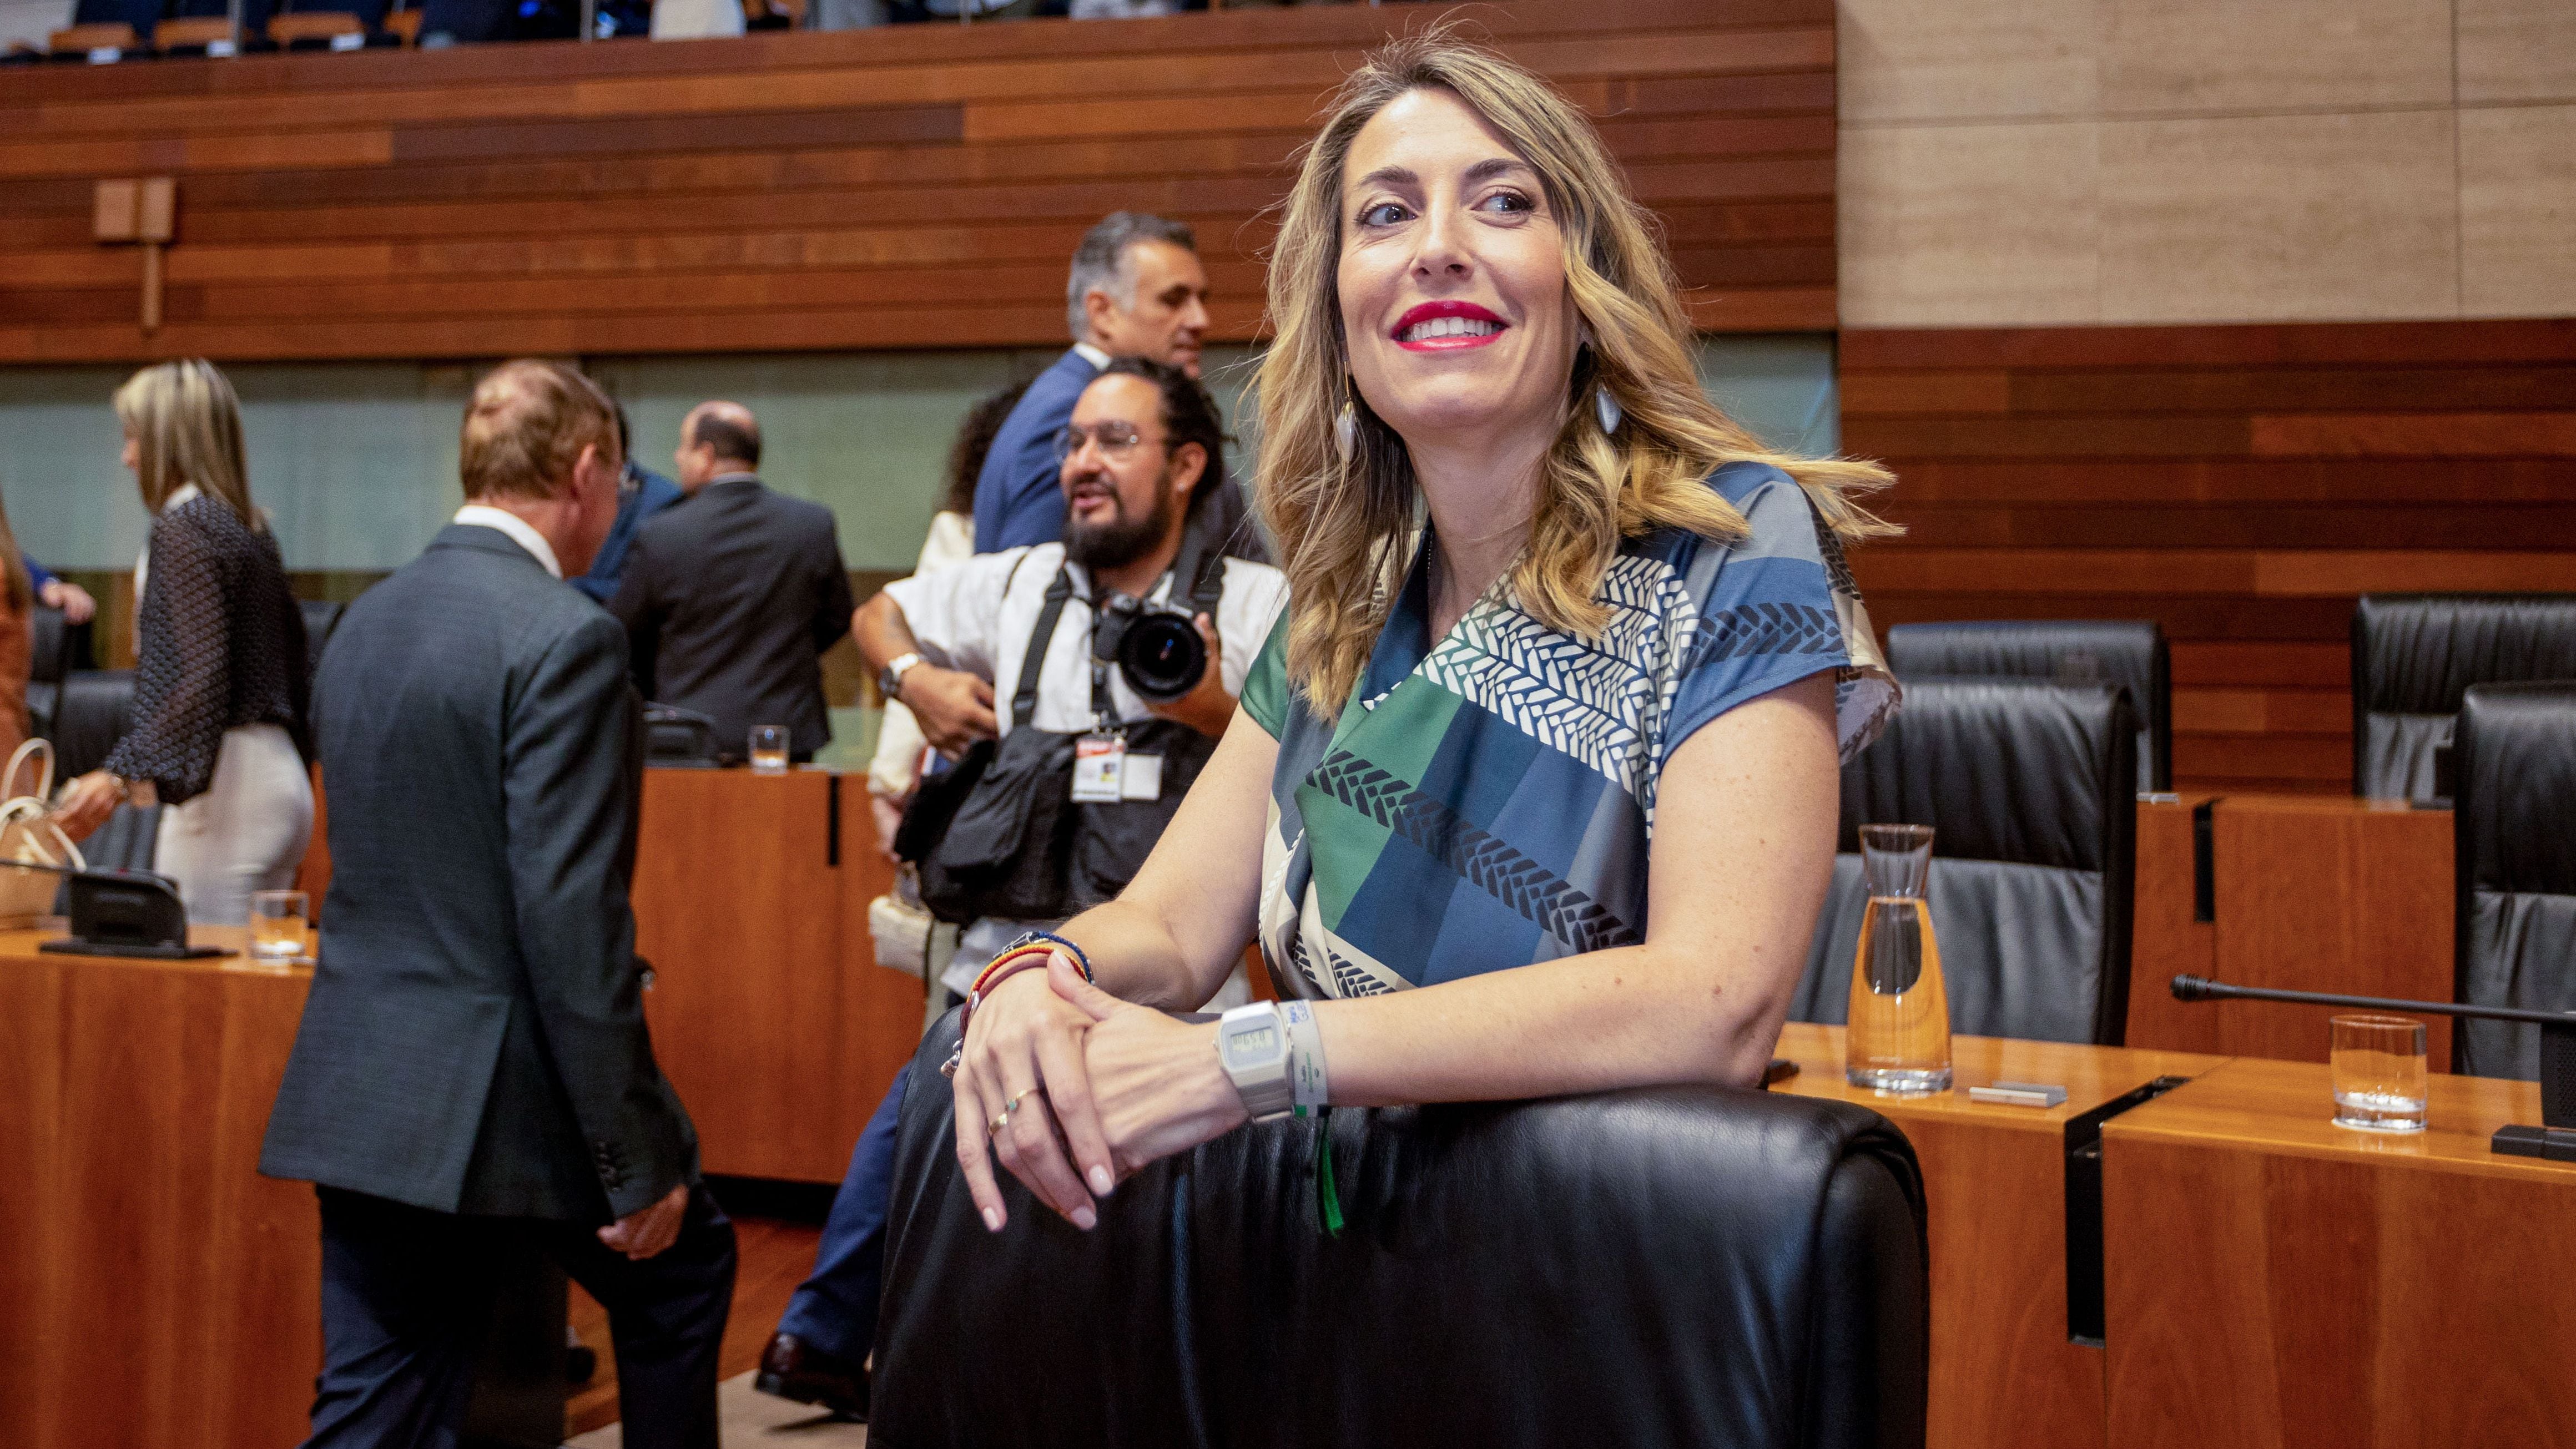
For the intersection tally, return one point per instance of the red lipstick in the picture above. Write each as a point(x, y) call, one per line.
point(1482, 327)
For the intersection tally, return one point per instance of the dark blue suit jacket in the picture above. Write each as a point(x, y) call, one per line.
point(1017, 500)
point(652, 494)
point(474, 1041)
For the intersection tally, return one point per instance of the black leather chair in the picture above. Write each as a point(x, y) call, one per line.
point(2515, 758)
point(48, 660)
point(2414, 657)
point(2029, 789)
point(2131, 653)
point(1648, 1268)
point(96, 709)
point(321, 616)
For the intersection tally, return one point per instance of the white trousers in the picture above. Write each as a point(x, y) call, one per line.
point(246, 833)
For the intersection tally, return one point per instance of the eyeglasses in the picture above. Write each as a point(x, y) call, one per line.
point(1114, 439)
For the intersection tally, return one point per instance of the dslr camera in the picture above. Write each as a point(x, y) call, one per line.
point(1156, 647)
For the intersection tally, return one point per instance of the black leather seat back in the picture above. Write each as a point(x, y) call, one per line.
point(95, 710)
point(2029, 789)
point(48, 659)
point(2130, 653)
point(2515, 832)
point(321, 616)
point(2414, 657)
point(1685, 1266)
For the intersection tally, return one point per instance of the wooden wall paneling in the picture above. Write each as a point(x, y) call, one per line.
point(31, 1046)
point(2239, 484)
point(759, 195)
point(880, 1008)
point(2337, 895)
point(2274, 1281)
point(740, 912)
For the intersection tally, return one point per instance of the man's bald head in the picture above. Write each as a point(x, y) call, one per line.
point(717, 438)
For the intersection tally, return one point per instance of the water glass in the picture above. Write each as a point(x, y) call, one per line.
point(277, 926)
point(769, 749)
point(2380, 1078)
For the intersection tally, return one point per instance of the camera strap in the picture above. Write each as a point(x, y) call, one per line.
point(1024, 703)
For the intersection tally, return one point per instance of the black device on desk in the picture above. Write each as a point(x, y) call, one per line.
point(2554, 1139)
point(123, 913)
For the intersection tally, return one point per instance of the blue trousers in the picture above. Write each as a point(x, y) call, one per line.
point(835, 1310)
point(406, 1294)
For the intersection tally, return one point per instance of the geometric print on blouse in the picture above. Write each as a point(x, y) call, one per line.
point(1487, 800)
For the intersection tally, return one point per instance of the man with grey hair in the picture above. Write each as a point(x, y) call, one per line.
point(1136, 290)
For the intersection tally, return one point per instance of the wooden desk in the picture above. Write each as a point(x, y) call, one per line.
point(2313, 893)
point(2003, 1370)
point(768, 1010)
point(154, 1289)
point(2275, 1280)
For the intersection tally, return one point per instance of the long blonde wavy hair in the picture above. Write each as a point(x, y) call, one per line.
point(186, 424)
point(1340, 522)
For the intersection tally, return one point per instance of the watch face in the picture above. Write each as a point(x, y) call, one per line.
point(1253, 1045)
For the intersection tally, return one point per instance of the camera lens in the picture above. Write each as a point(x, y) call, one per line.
point(1162, 656)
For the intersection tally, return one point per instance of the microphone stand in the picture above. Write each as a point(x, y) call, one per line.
point(2554, 1139)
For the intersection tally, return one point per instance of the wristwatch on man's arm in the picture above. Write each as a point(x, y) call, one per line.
point(890, 678)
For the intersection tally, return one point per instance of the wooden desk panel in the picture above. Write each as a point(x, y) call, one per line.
point(2320, 893)
point(739, 908)
point(769, 1013)
point(2003, 1370)
point(2164, 940)
point(153, 1288)
point(2274, 1280)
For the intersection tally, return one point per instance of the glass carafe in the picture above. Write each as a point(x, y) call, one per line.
point(1898, 1039)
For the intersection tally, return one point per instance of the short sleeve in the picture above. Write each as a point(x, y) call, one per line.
point(1776, 607)
point(1266, 696)
point(955, 613)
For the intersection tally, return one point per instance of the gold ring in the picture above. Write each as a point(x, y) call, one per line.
point(995, 1126)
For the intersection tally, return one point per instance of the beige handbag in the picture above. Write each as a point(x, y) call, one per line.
point(911, 940)
point(29, 834)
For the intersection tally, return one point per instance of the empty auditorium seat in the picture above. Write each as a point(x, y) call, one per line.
point(96, 709)
point(2029, 790)
point(2515, 835)
point(48, 660)
point(2128, 652)
point(2414, 657)
point(1648, 1269)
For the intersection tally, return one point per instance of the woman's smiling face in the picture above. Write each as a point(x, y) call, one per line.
point(1452, 275)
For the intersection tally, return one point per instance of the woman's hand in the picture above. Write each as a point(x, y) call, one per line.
point(1156, 1083)
point(87, 802)
point(1023, 1061)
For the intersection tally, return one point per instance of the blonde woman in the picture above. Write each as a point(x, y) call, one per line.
point(219, 693)
point(1535, 789)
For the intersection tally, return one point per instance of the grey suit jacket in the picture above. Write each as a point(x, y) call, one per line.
point(474, 1041)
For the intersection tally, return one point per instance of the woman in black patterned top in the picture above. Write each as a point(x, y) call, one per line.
point(219, 696)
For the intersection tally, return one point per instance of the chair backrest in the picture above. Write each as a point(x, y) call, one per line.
point(1683, 1266)
point(2414, 657)
point(2030, 792)
point(2515, 833)
point(93, 712)
point(50, 648)
point(2131, 653)
point(321, 616)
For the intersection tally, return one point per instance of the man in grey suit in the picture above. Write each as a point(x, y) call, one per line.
point(472, 1073)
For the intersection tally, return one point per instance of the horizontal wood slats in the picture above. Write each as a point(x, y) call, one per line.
point(2240, 484)
point(902, 187)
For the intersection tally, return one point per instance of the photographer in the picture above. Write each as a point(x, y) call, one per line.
point(1119, 714)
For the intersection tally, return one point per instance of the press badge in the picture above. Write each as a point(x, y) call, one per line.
point(1099, 768)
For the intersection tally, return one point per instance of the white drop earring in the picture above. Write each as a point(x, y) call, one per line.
point(1345, 434)
point(1607, 406)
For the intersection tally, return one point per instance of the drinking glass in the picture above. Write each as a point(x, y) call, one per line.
point(1898, 1037)
point(769, 749)
point(2380, 1080)
point(277, 925)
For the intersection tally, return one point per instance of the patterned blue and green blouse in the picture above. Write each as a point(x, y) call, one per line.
point(1488, 800)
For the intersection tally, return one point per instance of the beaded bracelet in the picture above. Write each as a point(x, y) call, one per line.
point(1032, 949)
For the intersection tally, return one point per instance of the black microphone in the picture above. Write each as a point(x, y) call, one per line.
point(2554, 1139)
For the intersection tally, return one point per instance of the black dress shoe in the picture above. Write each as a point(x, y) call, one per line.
point(794, 1369)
